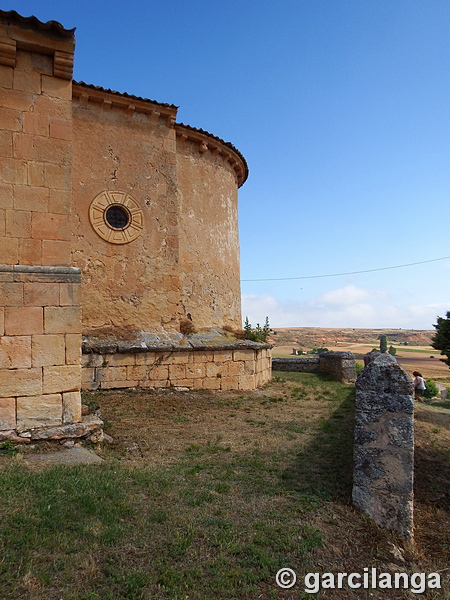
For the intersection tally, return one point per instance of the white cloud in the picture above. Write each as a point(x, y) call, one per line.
point(348, 306)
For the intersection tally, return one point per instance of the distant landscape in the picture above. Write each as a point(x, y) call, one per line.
point(413, 346)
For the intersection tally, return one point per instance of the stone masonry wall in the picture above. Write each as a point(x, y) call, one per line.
point(40, 314)
point(132, 285)
point(35, 146)
point(40, 347)
point(209, 240)
point(340, 365)
point(384, 445)
point(208, 369)
point(303, 364)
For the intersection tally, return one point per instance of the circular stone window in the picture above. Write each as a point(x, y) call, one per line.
point(116, 217)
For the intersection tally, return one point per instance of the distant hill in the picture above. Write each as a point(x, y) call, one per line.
point(308, 338)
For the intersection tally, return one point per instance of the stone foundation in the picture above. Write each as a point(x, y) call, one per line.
point(40, 347)
point(234, 366)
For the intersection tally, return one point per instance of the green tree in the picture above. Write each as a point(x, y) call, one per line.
point(383, 344)
point(441, 339)
point(392, 350)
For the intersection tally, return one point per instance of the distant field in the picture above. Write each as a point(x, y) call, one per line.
point(413, 357)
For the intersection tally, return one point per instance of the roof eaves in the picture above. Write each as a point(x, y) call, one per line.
point(50, 26)
point(220, 141)
point(123, 94)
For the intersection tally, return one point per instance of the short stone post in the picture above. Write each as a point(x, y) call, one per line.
point(384, 445)
point(340, 365)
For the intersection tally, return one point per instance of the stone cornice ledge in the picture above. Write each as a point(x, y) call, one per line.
point(107, 99)
point(39, 269)
point(167, 342)
point(30, 273)
point(207, 142)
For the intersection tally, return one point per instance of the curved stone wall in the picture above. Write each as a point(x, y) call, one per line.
point(179, 259)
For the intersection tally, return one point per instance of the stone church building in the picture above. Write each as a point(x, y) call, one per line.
point(119, 249)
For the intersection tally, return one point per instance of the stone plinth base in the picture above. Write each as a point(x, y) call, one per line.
point(208, 361)
point(40, 346)
point(86, 427)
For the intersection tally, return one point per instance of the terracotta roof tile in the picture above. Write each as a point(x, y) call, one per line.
point(50, 26)
point(218, 139)
point(123, 94)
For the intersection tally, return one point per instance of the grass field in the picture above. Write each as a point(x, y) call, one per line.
point(424, 359)
point(205, 496)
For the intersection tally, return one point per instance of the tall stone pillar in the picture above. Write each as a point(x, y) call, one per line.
point(384, 445)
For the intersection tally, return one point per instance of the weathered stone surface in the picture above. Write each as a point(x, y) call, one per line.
point(304, 364)
point(71, 407)
point(88, 425)
point(39, 411)
point(15, 352)
point(7, 414)
point(7, 434)
point(48, 350)
point(64, 378)
point(340, 365)
point(20, 382)
point(188, 368)
point(384, 444)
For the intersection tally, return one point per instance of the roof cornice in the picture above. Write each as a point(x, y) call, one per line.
point(216, 146)
point(207, 142)
point(12, 17)
point(109, 98)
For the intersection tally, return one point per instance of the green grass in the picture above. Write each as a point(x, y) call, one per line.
point(111, 532)
point(217, 523)
point(420, 350)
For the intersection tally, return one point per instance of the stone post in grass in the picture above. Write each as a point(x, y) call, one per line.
point(384, 445)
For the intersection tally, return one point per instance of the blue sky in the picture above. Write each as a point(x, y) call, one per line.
point(342, 110)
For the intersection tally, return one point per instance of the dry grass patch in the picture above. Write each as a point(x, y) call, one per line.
point(206, 495)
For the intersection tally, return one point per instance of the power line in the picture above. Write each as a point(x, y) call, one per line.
point(422, 262)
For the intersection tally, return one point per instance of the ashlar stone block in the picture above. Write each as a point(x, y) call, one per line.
point(71, 407)
point(26, 320)
point(50, 226)
point(62, 319)
point(20, 382)
point(55, 253)
point(40, 294)
point(9, 250)
point(39, 411)
point(7, 413)
point(48, 350)
point(15, 352)
point(73, 348)
point(65, 378)
point(11, 294)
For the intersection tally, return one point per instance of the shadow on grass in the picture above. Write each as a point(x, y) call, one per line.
point(439, 404)
point(324, 468)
